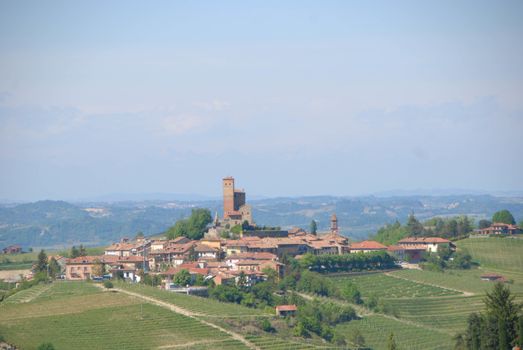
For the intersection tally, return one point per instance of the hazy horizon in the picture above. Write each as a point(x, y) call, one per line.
point(295, 98)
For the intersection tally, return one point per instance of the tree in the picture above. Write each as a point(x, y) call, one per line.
point(391, 345)
point(484, 223)
point(266, 326)
point(192, 227)
point(503, 310)
point(54, 268)
point(41, 265)
point(414, 227)
point(473, 333)
point(75, 253)
point(45, 346)
point(82, 251)
point(98, 268)
point(313, 227)
point(503, 216)
point(182, 278)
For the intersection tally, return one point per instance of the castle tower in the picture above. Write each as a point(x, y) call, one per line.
point(228, 195)
point(334, 223)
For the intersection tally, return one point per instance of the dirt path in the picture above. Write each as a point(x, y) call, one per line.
point(187, 313)
point(465, 293)
point(192, 343)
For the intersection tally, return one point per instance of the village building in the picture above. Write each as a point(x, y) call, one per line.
point(498, 228)
point(286, 310)
point(367, 247)
point(173, 254)
point(431, 244)
point(83, 267)
point(203, 251)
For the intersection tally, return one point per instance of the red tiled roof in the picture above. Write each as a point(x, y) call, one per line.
point(253, 256)
point(367, 245)
point(424, 240)
point(93, 259)
point(286, 308)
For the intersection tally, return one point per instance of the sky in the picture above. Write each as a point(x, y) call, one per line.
point(291, 98)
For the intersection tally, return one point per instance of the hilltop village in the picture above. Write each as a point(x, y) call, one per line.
point(260, 287)
point(249, 256)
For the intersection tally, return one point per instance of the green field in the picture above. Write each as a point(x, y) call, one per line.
point(498, 253)
point(384, 286)
point(82, 316)
point(376, 330)
point(425, 309)
point(200, 305)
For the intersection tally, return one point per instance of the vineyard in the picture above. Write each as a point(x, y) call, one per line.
point(498, 253)
point(376, 330)
point(384, 286)
point(81, 316)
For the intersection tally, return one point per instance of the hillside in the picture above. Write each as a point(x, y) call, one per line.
point(58, 224)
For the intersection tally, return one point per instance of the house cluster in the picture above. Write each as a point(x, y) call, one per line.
point(499, 228)
point(225, 260)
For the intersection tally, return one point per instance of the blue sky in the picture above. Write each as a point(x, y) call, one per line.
point(292, 98)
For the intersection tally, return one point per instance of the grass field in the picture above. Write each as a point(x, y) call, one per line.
point(498, 253)
point(384, 286)
point(81, 316)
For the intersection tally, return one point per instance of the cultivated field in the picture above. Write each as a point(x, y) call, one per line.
point(376, 330)
point(384, 286)
point(498, 253)
point(199, 305)
point(82, 316)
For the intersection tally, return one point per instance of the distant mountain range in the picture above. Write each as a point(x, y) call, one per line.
point(59, 223)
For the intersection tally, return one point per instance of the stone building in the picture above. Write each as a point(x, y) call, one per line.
point(235, 209)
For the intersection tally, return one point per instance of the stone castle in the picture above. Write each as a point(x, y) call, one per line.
point(235, 209)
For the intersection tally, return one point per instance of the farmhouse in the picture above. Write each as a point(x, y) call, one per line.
point(286, 310)
point(431, 244)
point(499, 229)
point(367, 247)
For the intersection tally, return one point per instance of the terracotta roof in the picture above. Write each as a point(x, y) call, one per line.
point(424, 240)
point(367, 245)
point(93, 259)
point(253, 256)
point(286, 308)
point(203, 248)
point(132, 258)
point(121, 246)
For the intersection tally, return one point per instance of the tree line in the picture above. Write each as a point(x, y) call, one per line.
point(348, 262)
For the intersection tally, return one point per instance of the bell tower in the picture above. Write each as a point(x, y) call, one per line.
point(334, 223)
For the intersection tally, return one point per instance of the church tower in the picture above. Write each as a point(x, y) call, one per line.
point(334, 223)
